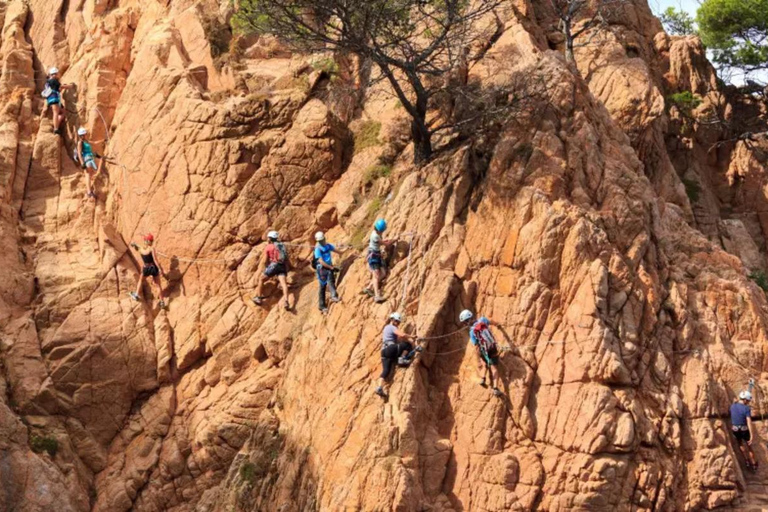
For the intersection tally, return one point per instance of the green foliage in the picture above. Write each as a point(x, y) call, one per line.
point(40, 444)
point(375, 172)
point(692, 189)
point(736, 31)
point(359, 237)
point(328, 65)
point(760, 279)
point(678, 22)
point(367, 136)
point(685, 101)
point(248, 472)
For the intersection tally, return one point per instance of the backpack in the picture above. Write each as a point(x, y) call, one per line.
point(282, 252)
point(47, 91)
point(485, 339)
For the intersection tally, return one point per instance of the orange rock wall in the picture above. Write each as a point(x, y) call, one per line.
point(624, 300)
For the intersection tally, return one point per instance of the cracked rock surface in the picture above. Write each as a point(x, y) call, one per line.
point(609, 237)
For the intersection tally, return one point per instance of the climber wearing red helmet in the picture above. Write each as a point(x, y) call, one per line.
point(151, 268)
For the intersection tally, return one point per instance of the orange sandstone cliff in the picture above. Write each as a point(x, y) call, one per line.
point(610, 234)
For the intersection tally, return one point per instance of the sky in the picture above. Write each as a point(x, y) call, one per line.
point(691, 6)
point(659, 6)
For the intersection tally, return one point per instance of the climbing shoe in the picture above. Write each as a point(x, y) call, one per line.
point(379, 300)
point(258, 300)
point(380, 391)
point(287, 306)
point(404, 361)
point(368, 292)
point(134, 296)
point(335, 299)
point(323, 311)
point(482, 382)
point(496, 392)
point(161, 304)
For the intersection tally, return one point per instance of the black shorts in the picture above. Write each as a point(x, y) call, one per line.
point(742, 435)
point(150, 271)
point(276, 269)
point(376, 261)
point(390, 355)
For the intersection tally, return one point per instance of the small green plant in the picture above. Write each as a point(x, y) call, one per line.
point(40, 444)
point(685, 101)
point(760, 279)
point(358, 239)
point(375, 172)
point(367, 136)
point(692, 189)
point(327, 65)
point(248, 472)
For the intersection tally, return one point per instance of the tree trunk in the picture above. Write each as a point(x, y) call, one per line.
point(422, 137)
point(569, 57)
point(422, 141)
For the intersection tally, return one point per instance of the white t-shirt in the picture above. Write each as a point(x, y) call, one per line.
point(374, 245)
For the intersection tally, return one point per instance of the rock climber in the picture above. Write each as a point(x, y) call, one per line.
point(151, 268)
point(86, 157)
point(276, 262)
point(741, 426)
point(376, 261)
point(52, 95)
point(485, 347)
point(326, 272)
point(396, 349)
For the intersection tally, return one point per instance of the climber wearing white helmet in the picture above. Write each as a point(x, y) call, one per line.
point(52, 95)
point(486, 348)
point(322, 262)
point(275, 264)
point(396, 350)
point(376, 262)
point(86, 157)
point(741, 426)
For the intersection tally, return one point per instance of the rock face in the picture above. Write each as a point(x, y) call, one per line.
point(610, 235)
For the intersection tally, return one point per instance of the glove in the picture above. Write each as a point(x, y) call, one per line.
point(335, 269)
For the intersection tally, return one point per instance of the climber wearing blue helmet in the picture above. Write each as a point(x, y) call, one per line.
point(485, 347)
point(376, 261)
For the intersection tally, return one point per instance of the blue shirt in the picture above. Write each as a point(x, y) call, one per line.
point(324, 252)
point(739, 414)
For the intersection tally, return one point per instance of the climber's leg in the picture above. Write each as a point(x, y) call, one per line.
point(259, 298)
point(90, 165)
point(56, 109)
point(283, 279)
point(139, 284)
point(481, 367)
point(388, 361)
point(321, 293)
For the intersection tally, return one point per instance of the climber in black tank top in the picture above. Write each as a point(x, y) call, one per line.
point(151, 268)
